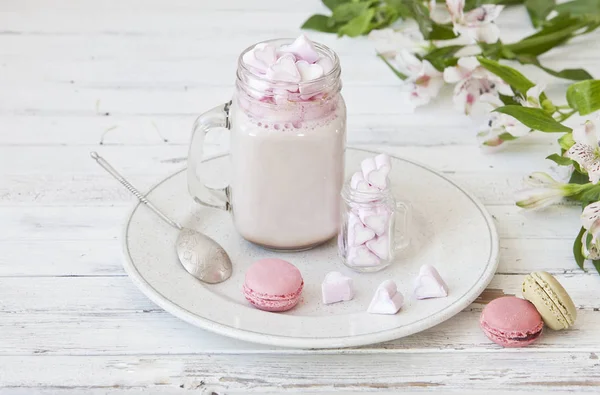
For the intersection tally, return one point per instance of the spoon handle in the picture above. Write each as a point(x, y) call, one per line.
point(111, 170)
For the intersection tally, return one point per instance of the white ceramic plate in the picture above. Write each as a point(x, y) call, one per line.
point(451, 230)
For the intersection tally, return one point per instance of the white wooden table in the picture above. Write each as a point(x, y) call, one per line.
point(132, 75)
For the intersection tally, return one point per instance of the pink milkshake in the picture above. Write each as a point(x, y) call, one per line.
point(288, 132)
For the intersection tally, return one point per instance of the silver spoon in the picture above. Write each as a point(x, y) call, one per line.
point(200, 255)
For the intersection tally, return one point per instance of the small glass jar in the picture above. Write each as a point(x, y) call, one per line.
point(374, 228)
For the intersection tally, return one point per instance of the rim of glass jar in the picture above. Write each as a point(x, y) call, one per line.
point(350, 194)
point(332, 75)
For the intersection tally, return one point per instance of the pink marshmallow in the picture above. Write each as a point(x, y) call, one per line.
point(376, 218)
point(380, 246)
point(387, 299)
point(358, 233)
point(362, 256)
point(303, 49)
point(358, 183)
point(260, 57)
point(429, 284)
point(376, 175)
point(336, 288)
point(284, 70)
point(309, 72)
point(382, 161)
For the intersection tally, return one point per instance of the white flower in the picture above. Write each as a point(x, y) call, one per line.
point(544, 191)
point(389, 42)
point(590, 220)
point(473, 81)
point(477, 24)
point(498, 127)
point(586, 150)
point(532, 98)
point(424, 81)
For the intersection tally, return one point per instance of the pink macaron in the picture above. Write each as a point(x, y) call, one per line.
point(273, 285)
point(511, 322)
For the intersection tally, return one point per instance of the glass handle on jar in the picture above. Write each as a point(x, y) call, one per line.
point(402, 231)
point(218, 117)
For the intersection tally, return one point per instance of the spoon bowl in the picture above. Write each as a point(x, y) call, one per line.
point(201, 256)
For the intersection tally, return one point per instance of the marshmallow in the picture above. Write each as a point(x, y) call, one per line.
point(382, 161)
point(309, 72)
point(326, 63)
point(260, 57)
point(284, 70)
point(376, 177)
point(376, 218)
point(357, 232)
point(303, 49)
point(362, 256)
point(358, 183)
point(429, 284)
point(387, 299)
point(336, 288)
point(380, 246)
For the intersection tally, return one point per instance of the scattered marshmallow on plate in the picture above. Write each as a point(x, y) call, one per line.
point(429, 284)
point(387, 299)
point(336, 288)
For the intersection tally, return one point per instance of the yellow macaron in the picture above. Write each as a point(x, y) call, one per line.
point(551, 300)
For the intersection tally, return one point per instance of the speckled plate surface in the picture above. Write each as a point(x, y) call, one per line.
point(451, 229)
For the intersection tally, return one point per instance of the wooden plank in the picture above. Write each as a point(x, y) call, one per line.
point(34, 258)
point(524, 370)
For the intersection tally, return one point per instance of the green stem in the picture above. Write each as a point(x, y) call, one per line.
point(398, 74)
point(565, 116)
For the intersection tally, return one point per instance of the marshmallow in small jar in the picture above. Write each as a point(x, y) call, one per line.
point(374, 225)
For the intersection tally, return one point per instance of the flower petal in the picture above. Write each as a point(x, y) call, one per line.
point(586, 134)
point(484, 14)
point(590, 214)
point(409, 62)
point(455, 8)
point(583, 154)
point(536, 198)
point(469, 63)
point(488, 33)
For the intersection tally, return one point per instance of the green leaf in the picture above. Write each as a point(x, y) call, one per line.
point(348, 11)
point(577, 246)
point(358, 25)
point(547, 38)
point(535, 118)
point(441, 32)
point(584, 96)
point(596, 264)
point(560, 160)
point(508, 74)
point(320, 23)
point(443, 57)
point(569, 74)
point(384, 16)
point(398, 74)
point(566, 141)
point(538, 10)
point(508, 100)
point(579, 178)
point(580, 7)
point(332, 4)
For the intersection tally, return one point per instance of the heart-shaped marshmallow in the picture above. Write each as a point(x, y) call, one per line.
point(260, 57)
point(358, 183)
point(374, 176)
point(362, 256)
point(387, 299)
point(358, 233)
point(429, 284)
point(284, 70)
point(326, 63)
point(376, 218)
point(309, 72)
point(383, 161)
point(380, 246)
point(303, 49)
point(336, 288)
